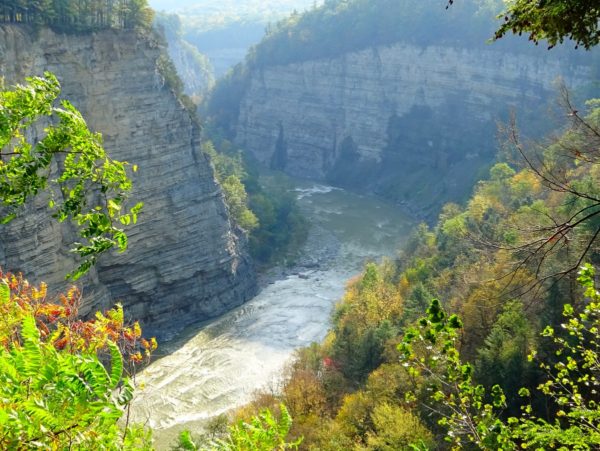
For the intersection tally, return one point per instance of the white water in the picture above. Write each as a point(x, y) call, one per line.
point(217, 366)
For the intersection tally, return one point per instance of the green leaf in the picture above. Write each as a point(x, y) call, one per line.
point(32, 347)
point(4, 293)
point(8, 218)
point(116, 362)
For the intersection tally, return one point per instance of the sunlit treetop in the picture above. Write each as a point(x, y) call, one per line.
point(552, 21)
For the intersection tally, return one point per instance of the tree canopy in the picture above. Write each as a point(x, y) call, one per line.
point(552, 21)
point(78, 15)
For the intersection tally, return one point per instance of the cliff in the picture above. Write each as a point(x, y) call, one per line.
point(185, 261)
point(415, 123)
point(193, 67)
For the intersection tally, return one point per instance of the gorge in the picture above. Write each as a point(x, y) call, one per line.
point(218, 367)
point(372, 128)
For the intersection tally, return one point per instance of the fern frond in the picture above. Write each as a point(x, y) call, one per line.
point(285, 422)
point(42, 416)
point(4, 293)
point(95, 376)
point(116, 363)
point(32, 352)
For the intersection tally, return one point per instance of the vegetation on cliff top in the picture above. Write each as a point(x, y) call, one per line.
point(72, 16)
point(338, 27)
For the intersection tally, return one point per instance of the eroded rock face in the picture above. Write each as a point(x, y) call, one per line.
point(412, 123)
point(185, 261)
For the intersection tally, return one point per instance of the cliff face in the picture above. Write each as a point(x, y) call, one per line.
point(185, 261)
point(412, 123)
point(193, 67)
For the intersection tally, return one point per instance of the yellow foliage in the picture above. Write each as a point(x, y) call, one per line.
point(261, 400)
point(525, 183)
point(397, 429)
point(404, 286)
point(487, 298)
point(303, 394)
point(481, 203)
point(354, 417)
point(366, 305)
point(387, 382)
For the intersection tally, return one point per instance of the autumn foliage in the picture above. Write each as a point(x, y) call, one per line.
point(57, 318)
point(64, 381)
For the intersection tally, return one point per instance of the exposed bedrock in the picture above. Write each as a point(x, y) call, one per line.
point(415, 124)
point(185, 262)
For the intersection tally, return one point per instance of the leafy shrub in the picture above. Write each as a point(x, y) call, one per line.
point(64, 381)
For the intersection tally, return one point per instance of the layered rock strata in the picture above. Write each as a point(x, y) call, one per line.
point(413, 123)
point(185, 260)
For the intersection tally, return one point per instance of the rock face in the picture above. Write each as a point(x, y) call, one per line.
point(412, 123)
point(185, 261)
point(193, 67)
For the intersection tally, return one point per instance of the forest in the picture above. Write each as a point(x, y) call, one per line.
point(78, 15)
point(341, 26)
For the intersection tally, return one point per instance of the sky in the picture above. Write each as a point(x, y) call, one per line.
point(230, 5)
point(206, 15)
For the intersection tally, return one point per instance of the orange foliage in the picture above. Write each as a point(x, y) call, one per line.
point(58, 320)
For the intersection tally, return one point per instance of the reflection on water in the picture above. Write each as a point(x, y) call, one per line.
point(218, 367)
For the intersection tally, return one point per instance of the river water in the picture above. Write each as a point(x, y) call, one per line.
point(217, 366)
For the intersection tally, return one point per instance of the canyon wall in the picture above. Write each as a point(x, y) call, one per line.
point(186, 261)
point(416, 124)
point(194, 68)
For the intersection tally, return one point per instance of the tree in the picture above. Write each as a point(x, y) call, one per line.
point(553, 21)
point(89, 187)
point(429, 351)
point(79, 15)
point(567, 223)
point(569, 389)
point(264, 432)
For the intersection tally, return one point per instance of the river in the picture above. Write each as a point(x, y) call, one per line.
point(214, 367)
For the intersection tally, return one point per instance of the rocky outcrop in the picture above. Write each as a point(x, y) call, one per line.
point(185, 261)
point(415, 124)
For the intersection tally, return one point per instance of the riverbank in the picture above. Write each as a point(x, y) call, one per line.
point(318, 252)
